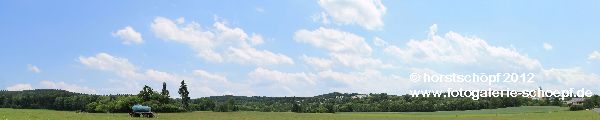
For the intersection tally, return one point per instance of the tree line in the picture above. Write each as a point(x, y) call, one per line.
point(69, 101)
point(161, 101)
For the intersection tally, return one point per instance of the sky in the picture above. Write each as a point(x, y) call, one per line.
point(293, 48)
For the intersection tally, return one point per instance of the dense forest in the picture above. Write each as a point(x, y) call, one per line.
point(161, 101)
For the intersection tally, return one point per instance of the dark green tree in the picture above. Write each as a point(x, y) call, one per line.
point(295, 107)
point(231, 105)
point(588, 103)
point(146, 93)
point(596, 100)
point(164, 98)
point(555, 101)
point(184, 93)
point(222, 107)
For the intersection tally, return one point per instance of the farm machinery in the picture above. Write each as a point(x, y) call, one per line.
point(141, 111)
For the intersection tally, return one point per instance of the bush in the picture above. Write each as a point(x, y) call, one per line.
point(169, 108)
point(576, 107)
point(221, 108)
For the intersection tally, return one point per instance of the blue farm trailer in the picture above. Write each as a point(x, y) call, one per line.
point(140, 110)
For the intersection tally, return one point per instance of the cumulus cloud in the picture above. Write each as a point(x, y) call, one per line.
point(259, 57)
point(281, 77)
point(366, 81)
point(569, 78)
point(107, 62)
point(211, 76)
point(321, 17)
point(130, 75)
point(129, 35)
point(594, 56)
point(344, 48)
point(379, 42)
point(359, 62)
point(123, 68)
point(456, 48)
point(465, 53)
point(220, 43)
point(334, 40)
point(360, 73)
point(318, 63)
point(347, 78)
point(365, 13)
point(65, 86)
point(211, 83)
point(190, 34)
point(33, 68)
point(256, 39)
point(162, 76)
point(19, 87)
point(201, 82)
point(274, 80)
point(547, 46)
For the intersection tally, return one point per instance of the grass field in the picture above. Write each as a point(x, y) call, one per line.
point(517, 113)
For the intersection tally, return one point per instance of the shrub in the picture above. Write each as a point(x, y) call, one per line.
point(576, 107)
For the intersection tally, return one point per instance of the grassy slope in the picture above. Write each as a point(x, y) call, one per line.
point(519, 113)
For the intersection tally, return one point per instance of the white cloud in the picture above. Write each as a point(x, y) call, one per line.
point(456, 48)
point(334, 40)
point(359, 62)
point(344, 49)
point(211, 76)
point(343, 77)
point(162, 76)
point(132, 78)
point(219, 43)
point(33, 68)
point(230, 36)
point(281, 77)
point(365, 13)
point(547, 46)
point(180, 20)
point(569, 78)
point(322, 17)
point(218, 84)
point(19, 87)
point(432, 30)
point(190, 34)
point(123, 68)
point(367, 81)
point(318, 63)
point(379, 42)
point(106, 62)
point(594, 56)
point(256, 39)
point(66, 86)
point(276, 82)
point(260, 57)
point(129, 36)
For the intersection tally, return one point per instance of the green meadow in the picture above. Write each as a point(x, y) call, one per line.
point(515, 113)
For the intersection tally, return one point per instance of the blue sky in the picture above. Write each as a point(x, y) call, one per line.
point(292, 48)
